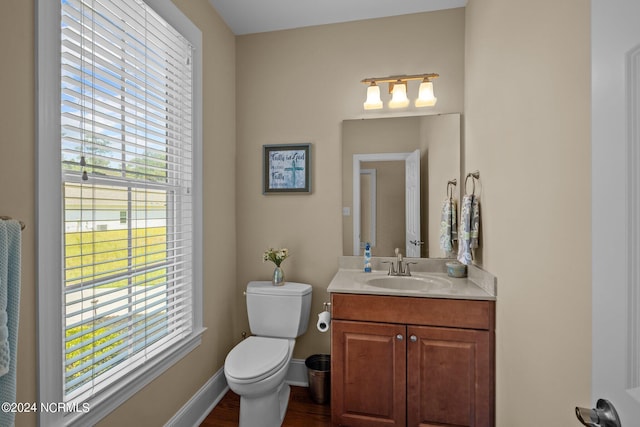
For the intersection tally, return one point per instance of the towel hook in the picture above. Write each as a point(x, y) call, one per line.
point(473, 175)
point(452, 183)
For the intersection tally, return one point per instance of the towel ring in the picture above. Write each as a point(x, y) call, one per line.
point(7, 218)
point(450, 186)
point(473, 175)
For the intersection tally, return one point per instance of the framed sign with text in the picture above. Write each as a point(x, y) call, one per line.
point(286, 168)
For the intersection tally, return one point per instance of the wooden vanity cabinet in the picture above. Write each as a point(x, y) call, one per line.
point(403, 361)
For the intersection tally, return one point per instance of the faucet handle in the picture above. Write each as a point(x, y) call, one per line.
point(392, 270)
point(407, 270)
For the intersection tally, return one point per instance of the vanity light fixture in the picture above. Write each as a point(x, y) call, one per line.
point(398, 90)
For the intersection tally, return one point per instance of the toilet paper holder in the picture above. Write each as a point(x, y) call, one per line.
point(324, 318)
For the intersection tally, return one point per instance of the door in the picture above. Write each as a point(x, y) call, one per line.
point(412, 202)
point(449, 375)
point(368, 381)
point(616, 206)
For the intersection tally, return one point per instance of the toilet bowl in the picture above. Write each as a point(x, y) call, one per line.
point(256, 368)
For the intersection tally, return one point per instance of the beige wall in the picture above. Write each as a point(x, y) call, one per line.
point(156, 403)
point(441, 140)
point(17, 174)
point(527, 109)
point(298, 86)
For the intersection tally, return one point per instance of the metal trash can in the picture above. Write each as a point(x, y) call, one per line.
point(319, 373)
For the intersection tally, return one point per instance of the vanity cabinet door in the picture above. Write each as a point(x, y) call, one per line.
point(368, 381)
point(449, 375)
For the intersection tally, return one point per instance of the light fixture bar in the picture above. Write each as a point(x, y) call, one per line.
point(402, 78)
point(398, 90)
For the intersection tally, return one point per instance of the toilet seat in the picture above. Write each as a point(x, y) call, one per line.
point(256, 358)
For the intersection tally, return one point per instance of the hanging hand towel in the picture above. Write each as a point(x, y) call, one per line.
point(10, 247)
point(448, 226)
point(5, 353)
point(469, 228)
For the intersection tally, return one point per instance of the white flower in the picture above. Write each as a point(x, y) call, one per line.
point(275, 255)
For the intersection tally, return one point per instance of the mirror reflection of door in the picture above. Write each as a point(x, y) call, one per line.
point(413, 240)
point(382, 201)
point(394, 193)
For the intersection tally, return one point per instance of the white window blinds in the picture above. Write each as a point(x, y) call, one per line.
point(126, 150)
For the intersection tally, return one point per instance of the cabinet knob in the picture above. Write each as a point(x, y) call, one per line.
point(413, 338)
point(399, 337)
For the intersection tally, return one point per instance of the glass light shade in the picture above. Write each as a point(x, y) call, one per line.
point(399, 96)
point(426, 98)
point(373, 101)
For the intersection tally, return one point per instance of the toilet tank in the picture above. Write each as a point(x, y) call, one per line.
point(278, 311)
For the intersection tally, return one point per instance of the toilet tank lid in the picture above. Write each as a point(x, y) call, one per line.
point(288, 289)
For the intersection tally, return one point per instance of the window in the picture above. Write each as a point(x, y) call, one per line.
point(125, 218)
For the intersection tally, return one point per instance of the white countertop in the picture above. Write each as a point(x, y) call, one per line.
point(353, 281)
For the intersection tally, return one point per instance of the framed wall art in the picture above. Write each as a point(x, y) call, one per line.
point(286, 168)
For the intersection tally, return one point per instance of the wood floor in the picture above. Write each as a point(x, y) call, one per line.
point(302, 411)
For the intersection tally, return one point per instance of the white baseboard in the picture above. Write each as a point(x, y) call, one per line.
point(297, 374)
point(202, 403)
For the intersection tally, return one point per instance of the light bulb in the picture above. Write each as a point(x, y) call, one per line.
point(373, 101)
point(399, 96)
point(426, 97)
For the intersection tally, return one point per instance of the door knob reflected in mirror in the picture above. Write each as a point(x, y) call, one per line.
point(603, 415)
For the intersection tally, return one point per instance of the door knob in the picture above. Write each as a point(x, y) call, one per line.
point(603, 415)
point(399, 337)
point(413, 338)
point(416, 242)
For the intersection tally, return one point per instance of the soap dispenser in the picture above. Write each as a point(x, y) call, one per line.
point(367, 258)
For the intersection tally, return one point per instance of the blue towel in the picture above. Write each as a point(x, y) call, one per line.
point(469, 228)
point(448, 226)
point(10, 247)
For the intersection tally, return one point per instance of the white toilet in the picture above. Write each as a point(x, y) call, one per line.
point(256, 368)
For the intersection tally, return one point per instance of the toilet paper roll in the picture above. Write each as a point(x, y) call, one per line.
point(324, 319)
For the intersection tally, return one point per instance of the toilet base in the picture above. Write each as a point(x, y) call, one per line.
point(265, 411)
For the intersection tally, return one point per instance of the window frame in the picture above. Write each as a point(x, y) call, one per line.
point(50, 328)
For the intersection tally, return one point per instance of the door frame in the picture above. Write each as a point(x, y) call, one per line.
point(374, 157)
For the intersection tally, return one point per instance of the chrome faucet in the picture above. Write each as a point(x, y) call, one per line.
point(401, 268)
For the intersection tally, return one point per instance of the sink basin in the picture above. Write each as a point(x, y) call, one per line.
point(410, 283)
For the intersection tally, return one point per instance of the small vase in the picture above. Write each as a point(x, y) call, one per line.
point(278, 277)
